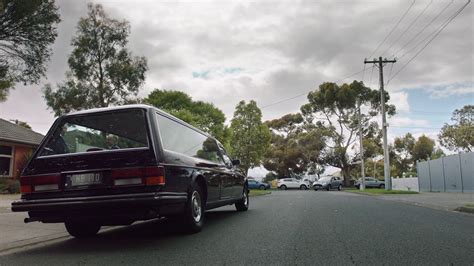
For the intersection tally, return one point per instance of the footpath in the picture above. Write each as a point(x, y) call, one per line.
point(14, 233)
point(442, 201)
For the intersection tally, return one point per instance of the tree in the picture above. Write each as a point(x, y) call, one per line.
point(460, 135)
point(22, 124)
point(250, 137)
point(103, 71)
point(312, 144)
point(27, 29)
point(335, 108)
point(423, 148)
point(202, 115)
point(269, 177)
point(296, 147)
point(402, 154)
point(284, 156)
point(437, 153)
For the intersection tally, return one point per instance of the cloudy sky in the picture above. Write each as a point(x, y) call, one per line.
point(226, 51)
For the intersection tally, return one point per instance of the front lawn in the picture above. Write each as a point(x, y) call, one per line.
point(379, 191)
point(469, 208)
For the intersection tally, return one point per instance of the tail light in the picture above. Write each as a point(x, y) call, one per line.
point(38, 183)
point(150, 176)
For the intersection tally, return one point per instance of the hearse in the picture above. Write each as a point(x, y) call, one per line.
point(118, 165)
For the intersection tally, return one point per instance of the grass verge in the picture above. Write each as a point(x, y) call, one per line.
point(258, 192)
point(469, 208)
point(379, 191)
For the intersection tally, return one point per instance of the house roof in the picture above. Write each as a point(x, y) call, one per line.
point(15, 133)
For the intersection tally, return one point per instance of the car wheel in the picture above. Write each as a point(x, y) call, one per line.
point(328, 187)
point(243, 204)
point(82, 229)
point(315, 188)
point(303, 187)
point(283, 187)
point(193, 216)
point(262, 187)
point(382, 186)
point(339, 187)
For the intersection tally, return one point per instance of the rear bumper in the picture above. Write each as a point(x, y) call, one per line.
point(132, 206)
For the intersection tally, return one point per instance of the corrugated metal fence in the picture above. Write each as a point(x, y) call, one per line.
point(454, 173)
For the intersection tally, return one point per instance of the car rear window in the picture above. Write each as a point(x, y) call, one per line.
point(98, 132)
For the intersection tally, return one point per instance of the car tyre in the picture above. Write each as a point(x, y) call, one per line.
point(82, 229)
point(382, 186)
point(328, 187)
point(339, 187)
point(303, 187)
point(283, 187)
point(262, 187)
point(243, 204)
point(315, 188)
point(193, 216)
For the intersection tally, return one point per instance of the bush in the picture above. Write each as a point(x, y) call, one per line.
point(9, 186)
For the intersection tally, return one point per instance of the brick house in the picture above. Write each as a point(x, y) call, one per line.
point(16, 145)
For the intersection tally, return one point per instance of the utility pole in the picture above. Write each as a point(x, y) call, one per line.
point(386, 160)
point(362, 167)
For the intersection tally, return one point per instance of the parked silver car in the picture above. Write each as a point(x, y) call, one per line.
point(370, 182)
point(328, 183)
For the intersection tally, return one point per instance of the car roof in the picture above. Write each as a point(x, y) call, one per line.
point(137, 106)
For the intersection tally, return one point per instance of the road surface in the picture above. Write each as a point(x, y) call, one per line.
point(285, 228)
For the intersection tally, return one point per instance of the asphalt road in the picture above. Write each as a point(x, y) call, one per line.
point(287, 227)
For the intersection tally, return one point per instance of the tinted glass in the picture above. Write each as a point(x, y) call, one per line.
point(4, 166)
point(182, 139)
point(5, 150)
point(97, 132)
point(226, 158)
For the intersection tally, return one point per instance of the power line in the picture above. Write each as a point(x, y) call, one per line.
point(306, 92)
point(371, 72)
point(409, 26)
point(416, 127)
point(393, 29)
point(440, 27)
point(430, 112)
point(432, 38)
point(418, 34)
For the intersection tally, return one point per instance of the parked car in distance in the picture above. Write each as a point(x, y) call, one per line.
point(254, 184)
point(118, 165)
point(328, 183)
point(287, 183)
point(370, 182)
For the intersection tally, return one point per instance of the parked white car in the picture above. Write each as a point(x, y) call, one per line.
point(287, 183)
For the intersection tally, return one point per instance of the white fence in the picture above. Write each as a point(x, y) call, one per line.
point(409, 183)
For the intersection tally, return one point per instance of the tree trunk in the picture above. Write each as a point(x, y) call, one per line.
point(345, 171)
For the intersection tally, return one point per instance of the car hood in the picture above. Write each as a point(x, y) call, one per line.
point(320, 182)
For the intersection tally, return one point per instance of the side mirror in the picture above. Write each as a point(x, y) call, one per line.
point(236, 162)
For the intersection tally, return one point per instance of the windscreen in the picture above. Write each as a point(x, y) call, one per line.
point(98, 132)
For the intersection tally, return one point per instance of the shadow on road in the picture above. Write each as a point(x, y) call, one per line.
point(153, 233)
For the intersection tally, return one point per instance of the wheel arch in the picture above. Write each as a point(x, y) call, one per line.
point(198, 178)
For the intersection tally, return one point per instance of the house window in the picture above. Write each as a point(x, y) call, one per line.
point(6, 160)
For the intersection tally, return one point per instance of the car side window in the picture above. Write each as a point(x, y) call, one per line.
point(225, 157)
point(185, 140)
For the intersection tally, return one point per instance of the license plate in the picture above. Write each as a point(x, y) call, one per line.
point(84, 179)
